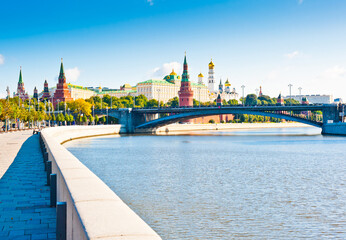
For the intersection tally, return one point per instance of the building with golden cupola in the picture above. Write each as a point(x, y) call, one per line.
point(168, 88)
point(211, 80)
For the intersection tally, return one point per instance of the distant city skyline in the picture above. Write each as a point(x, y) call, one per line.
point(266, 43)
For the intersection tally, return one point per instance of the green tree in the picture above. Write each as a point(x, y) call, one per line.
point(91, 119)
point(96, 119)
point(251, 100)
point(103, 119)
point(232, 102)
point(244, 118)
point(84, 119)
point(141, 101)
point(152, 103)
point(71, 118)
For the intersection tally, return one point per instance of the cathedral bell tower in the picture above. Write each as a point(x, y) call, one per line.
point(211, 80)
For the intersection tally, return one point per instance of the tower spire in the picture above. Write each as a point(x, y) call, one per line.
point(20, 75)
point(62, 78)
point(185, 77)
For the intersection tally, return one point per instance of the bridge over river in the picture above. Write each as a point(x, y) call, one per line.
point(135, 119)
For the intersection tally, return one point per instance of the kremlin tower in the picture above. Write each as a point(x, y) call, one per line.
point(46, 93)
point(280, 101)
point(20, 89)
point(219, 102)
point(260, 92)
point(305, 101)
point(185, 93)
point(211, 81)
point(35, 93)
point(62, 93)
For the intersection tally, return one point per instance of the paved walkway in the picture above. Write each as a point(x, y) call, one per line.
point(24, 198)
point(10, 143)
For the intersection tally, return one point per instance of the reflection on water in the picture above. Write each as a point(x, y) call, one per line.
point(251, 184)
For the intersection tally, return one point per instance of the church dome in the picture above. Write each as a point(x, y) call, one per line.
point(173, 73)
point(227, 84)
point(200, 75)
point(211, 64)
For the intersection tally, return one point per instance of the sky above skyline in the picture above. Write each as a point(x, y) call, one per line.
point(107, 43)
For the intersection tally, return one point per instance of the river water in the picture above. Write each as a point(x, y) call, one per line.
point(284, 183)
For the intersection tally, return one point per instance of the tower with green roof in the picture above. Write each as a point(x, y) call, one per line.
point(62, 93)
point(20, 88)
point(185, 93)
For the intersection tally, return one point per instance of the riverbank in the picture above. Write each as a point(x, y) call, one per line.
point(224, 126)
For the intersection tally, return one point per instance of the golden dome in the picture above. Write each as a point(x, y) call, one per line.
point(227, 84)
point(211, 64)
point(173, 73)
point(200, 75)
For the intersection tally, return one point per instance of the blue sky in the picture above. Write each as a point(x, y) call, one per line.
point(268, 43)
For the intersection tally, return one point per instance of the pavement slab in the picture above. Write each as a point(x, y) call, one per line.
point(24, 197)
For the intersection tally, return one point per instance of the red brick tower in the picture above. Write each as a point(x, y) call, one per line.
point(35, 93)
point(218, 100)
point(20, 88)
point(62, 92)
point(260, 92)
point(46, 94)
point(185, 93)
point(280, 101)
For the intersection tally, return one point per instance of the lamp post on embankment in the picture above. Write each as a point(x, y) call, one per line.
point(243, 94)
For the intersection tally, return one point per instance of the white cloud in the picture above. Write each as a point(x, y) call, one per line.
point(335, 72)
point(300, 1)
point(151, 2)
point(2, 59)
point(292, 55)
point(72, 74)
point(165, 69)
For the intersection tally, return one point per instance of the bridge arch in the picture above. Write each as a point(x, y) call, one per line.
point(210, 112)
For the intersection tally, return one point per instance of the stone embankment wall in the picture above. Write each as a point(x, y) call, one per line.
point(94, 211)
point(224, 126)
point(334, 129)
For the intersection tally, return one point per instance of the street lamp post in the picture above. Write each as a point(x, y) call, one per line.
point(290, 86)
point(65, 113)
point(45, 111)
point(32, 121)
point(58, 104)
point(93, 116)
point(243, 94)
point(158, 104)
point(199, 96)
point(49, 113)
point(300, 94)
point(101, 102)
point(107, 114)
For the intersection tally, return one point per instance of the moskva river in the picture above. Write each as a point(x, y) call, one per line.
point(250, 184)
